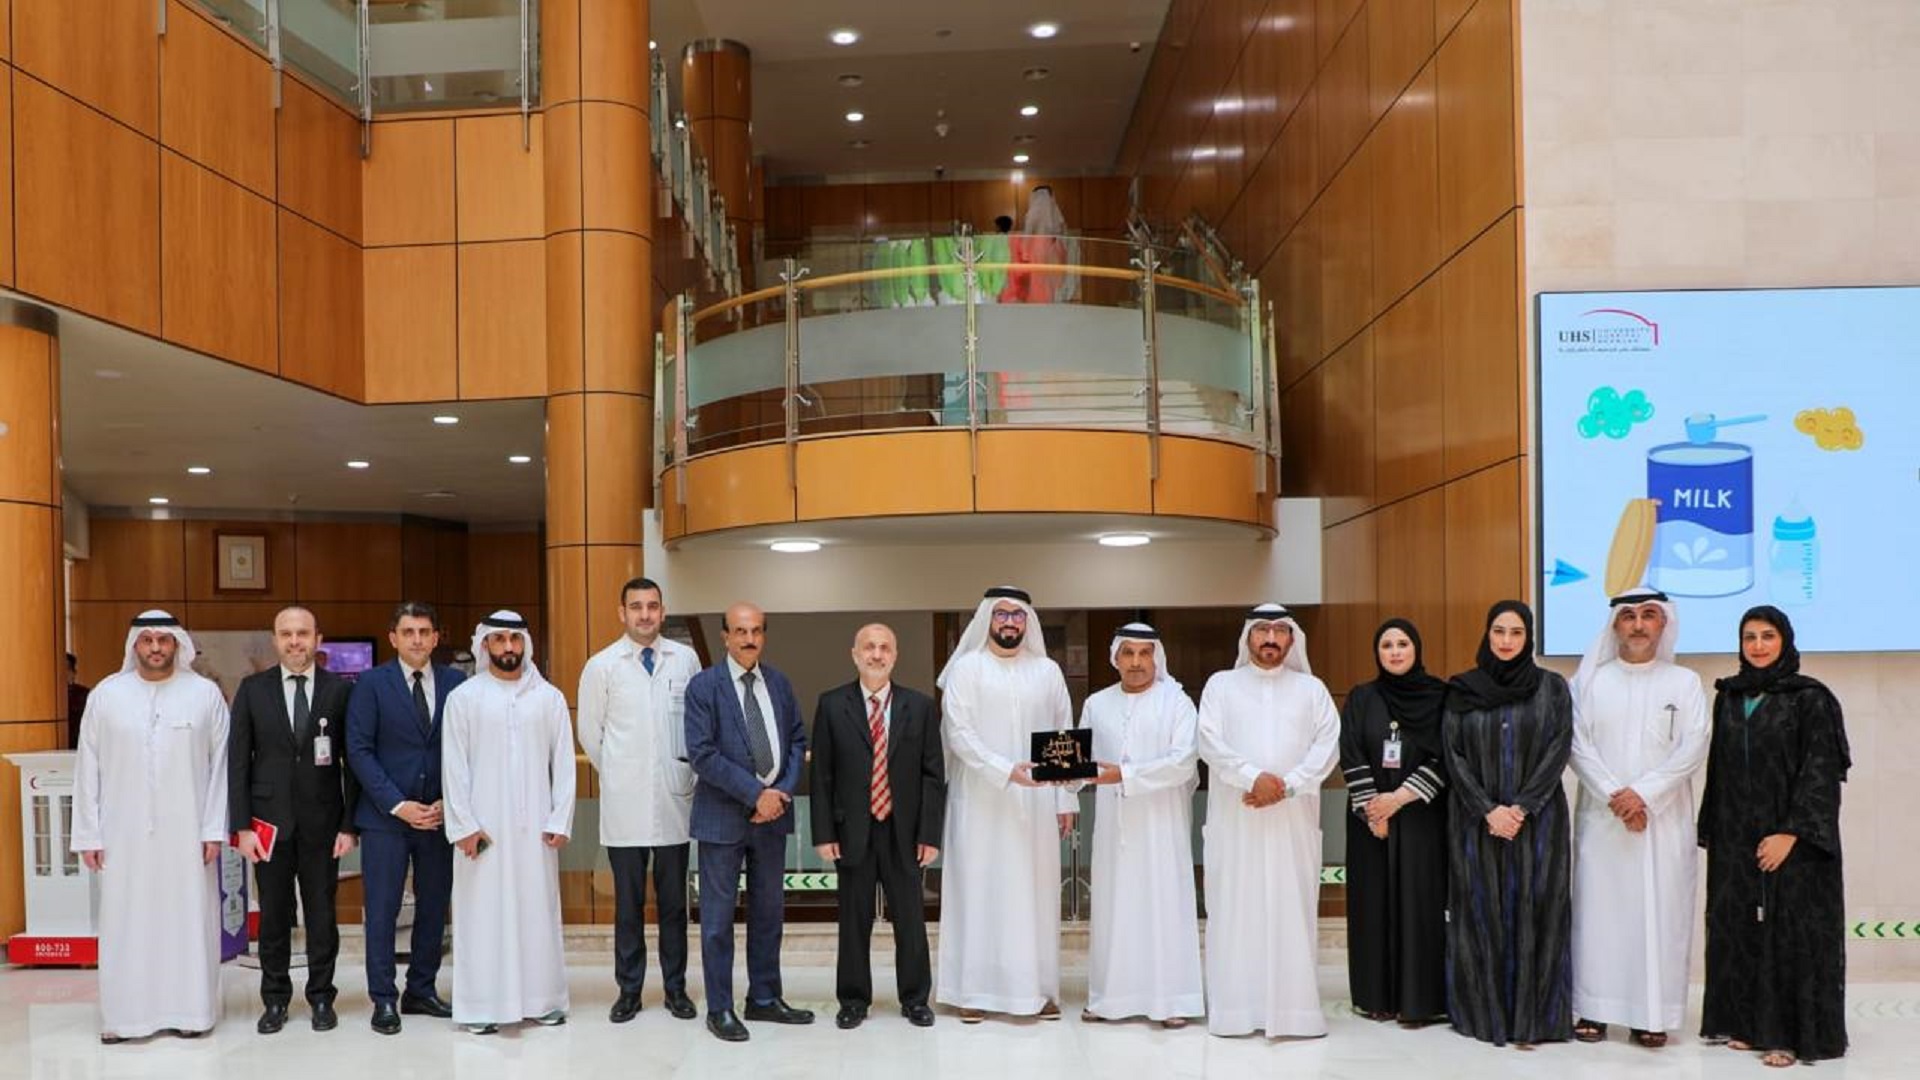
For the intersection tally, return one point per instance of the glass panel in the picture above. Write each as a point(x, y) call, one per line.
point(737, 377)
point(322, 40)
point(1206, 359)
point(42, 836)
point(248, 18)
point(1057, 346)
point(451, 54)
point(69, 859)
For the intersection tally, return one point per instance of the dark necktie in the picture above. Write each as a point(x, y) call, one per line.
point(420, 700)
point(879, 789)
point(301, 707)
point(757, 742)
point(646, 658)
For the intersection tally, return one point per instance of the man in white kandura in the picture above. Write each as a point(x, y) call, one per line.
point(1269, 734)
point(507, 771)
point(1640, 732)
point(1145, 955)
point(1000, 904)
point(150, 817)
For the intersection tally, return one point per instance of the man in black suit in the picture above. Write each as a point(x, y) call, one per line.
point(879, 803)
point(286, 766)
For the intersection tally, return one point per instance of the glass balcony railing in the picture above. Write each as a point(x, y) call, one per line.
point(973, 332)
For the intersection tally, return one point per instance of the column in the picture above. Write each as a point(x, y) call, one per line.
point(716, 89)
point(33, 700)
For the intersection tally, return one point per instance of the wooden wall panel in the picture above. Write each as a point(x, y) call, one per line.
point(1399, 40)
point(100, 627)
point(618, 319)
point(836, 210)
point(319, 159)
point(1447, 15)
point(611, 70)
point(6, 176)
point(500, 183)
point(787, 216)
point(30, 410)
point(1346, 253)
point(503, 319)
point(1408, 385)
point(1103, 206)
point(1086, 472)
point(1406, 202)
point(1350, 609)
point(235, 615)
point(560, 167)
point(503, 568)
point(1203, 478)
point(6, 29)
point(30, 618)
point(896, 208)
point(131, 559)
point(216, 100)
point(1479, 139)
point(218, 270)
point(111, 62)
point(619, 434)
point(1302, 467)
point(1485, 534)
point(1412, 576)
point(1330, 19)
point(408, 184)
point(617, 165)
point(744, 487)
point(86, 208)
point(1345, 110)
point(1346, 433)
point(347, 561)
point(1297, 303)
point(566, 520)
point(202, 553)
point(411, 324)
point(321, 298)
point(1482, 351)
point(916, 473)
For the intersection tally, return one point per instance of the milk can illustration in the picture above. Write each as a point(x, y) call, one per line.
point(1703, 537)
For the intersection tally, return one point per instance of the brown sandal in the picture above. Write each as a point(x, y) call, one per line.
point(1589, 1032)
point(1778, 1059)
point(1652, 1040)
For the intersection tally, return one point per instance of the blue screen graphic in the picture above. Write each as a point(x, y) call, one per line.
point(1732, 448)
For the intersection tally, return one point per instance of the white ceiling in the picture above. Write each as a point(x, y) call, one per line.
point(973, 73)
point(276, 445)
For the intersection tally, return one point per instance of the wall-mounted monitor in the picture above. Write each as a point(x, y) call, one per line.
point(347, 657)
point(1731, 448)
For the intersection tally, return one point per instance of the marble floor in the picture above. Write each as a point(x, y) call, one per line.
point(48, 1027)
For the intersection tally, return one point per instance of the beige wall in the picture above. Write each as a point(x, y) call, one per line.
point(1702, 143)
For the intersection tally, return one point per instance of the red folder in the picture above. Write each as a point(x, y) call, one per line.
point(268, 832)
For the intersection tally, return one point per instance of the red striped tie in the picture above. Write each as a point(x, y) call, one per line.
point(879, 792)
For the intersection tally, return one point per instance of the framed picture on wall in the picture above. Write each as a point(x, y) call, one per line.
point(240, 562)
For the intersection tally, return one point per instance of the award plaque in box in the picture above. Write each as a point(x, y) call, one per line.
point(1064, 755)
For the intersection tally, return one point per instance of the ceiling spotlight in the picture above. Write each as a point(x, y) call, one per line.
point(1021, 159)
point(856, 116)
point(1043, 30)
point(679, 123)
point(795, 547)
point(198, 470)
point(652, 45)
point(1125, 540)
point(157, 500)
point(1029, 110)
point(358, 464)
point(1035, 74)
point(849, 80)
point(448, 420)
point(844, 36)
point(518, 459)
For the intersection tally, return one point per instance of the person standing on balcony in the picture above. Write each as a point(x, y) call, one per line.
point(1042, 239)
point(1000, 890)
point(633, 730)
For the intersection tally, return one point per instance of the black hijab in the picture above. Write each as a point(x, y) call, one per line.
point(1415, 697)
point(1494, 682)
point(1781, 675)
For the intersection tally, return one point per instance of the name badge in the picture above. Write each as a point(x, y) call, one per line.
point(1390, 753)
point(323, 745)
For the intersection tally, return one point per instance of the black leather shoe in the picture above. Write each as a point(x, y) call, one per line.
point(726, 1026)
point(324, 1018)
point(386, 1019)
point(431, 1005)
point(850, 1016)
point(680, 1005)
point(272, 1019)
point(917, 1015)
point(625, 1008)
point(779, 1012)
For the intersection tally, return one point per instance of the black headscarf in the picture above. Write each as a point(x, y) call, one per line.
point(1414, 698)
point(1494, 682)
point(1782, 675)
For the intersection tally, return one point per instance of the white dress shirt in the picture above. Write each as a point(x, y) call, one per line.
point(632, 728)
point(287, 685)
point(766, 711)
point(406, 676)
point(885, 694)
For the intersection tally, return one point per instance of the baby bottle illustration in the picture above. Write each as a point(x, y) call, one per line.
point(1793, 562)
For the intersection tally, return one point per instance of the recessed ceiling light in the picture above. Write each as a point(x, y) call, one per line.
point(1029, 110)
point(849, 80)
point(1035, 74)
point(358, 464)
point(198, 470)
point(846, 35)
point(856, 116)
point(1125, 540)
point(441, 494)
point(652, 44)
point(1021, 159)
point(108, 373)
point(446, 420)
point(157, 500)
point(1043, 30)
point(518, 459)
point(795, 547)
point(679, 123)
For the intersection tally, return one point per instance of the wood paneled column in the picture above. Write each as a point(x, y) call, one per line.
point(716, 87)
point(33, 701)
point(599, 190)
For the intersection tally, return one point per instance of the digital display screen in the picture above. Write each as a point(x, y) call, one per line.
point(346, 657)
point(1731, 448)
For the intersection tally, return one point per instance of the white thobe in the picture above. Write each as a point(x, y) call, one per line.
point(1145, 955)
point(507, 769)
point(150, 788)
point(1263, 866)
point(1000, 895)
point(1639, 726)
point(631, 729)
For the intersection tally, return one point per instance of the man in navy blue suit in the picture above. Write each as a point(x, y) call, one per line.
point(393, 745)
point(747, 746)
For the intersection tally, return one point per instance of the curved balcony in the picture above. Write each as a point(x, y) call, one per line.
point(953, 375)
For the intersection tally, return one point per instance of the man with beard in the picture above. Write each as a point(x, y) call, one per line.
point(1639, 734)
point(1269, 734)
point(1000, 899)
point(150, 817)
